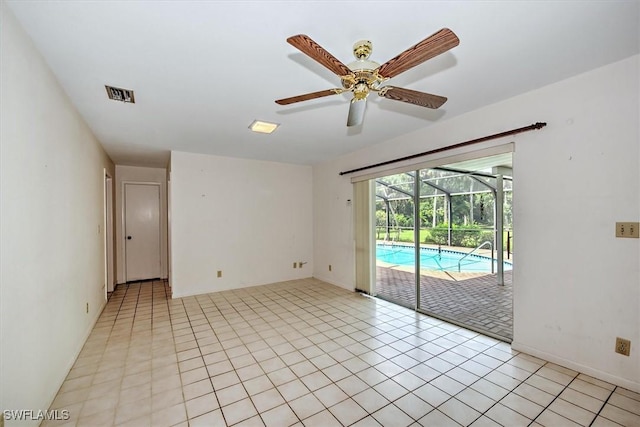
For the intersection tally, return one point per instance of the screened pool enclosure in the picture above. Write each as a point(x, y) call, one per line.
point(456, 208)
point(444, 243)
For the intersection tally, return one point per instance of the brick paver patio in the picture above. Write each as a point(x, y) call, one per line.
point(469, 299)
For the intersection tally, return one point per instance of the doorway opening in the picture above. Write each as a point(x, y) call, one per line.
point(444, 242)
point(109, 267)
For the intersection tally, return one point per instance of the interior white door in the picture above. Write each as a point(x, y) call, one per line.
point(142, 231)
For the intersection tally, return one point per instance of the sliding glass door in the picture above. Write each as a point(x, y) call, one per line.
point(443, 245)
point(395, 225)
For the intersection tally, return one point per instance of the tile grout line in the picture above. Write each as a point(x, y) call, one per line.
point(557, 396)
point(298, 322)
point(509, 390)
point(602, 407)
point(307, 359)
point(409, 391)
point(442, 373)
point(204, 365)
point(124, 366)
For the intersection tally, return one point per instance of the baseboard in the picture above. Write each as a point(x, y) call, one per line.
point(596, 373)
point(125, 282)
point(334, 283)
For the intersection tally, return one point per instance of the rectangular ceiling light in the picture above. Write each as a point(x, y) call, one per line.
point(263, 127)
point(118, 94)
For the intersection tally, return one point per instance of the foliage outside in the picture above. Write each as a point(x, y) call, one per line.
point(469, 237)
point(471, 215)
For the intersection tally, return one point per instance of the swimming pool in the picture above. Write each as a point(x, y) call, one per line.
point(431, 259)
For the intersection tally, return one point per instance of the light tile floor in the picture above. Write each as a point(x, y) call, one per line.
point(306, 353)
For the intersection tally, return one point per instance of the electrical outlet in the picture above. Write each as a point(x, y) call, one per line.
point(628, 229)
point(329, 267)
point(219, 273)
point(295, 265)
point(87, 308)
point(623, 346)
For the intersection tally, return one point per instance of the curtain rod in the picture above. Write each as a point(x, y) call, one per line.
point(538, 125)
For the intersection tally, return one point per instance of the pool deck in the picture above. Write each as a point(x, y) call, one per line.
point(474, 300)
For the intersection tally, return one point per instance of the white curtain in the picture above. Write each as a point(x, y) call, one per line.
point(365, 237)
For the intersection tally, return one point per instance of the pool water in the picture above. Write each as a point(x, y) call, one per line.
point(431, 259)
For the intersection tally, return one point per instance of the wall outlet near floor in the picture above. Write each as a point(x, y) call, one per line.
point(623, 346)
point(628, 229)
point(87, 308)
point(295, 265)
point(329, 267)
point(219, 274)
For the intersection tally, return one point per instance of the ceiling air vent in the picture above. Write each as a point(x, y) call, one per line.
point(118, 94)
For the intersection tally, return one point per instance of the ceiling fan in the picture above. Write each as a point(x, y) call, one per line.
point(364, 76)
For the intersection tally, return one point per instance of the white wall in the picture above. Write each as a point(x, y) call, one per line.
point(576, 287)
point(250, 219)
point(135, 174)
point(51, 222)
point(333, 225)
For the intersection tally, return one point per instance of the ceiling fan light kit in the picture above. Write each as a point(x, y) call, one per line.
point(356, 112)
point(363, 76)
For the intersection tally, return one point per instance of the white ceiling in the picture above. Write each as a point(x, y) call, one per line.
point(202, 71)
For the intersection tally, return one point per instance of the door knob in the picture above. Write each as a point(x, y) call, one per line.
point(128, 237)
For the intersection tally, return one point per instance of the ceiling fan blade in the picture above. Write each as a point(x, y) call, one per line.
point(312, 49)
point(308, 96)
point(356, 112)
point(414, 97)
point(428, 48)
